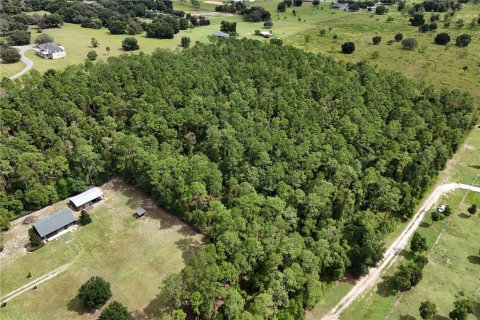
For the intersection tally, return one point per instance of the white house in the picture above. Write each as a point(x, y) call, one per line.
point(51, 51)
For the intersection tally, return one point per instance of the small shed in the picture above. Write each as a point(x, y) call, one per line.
point(140, 212)
point(221, 34)
point(54, 224)
point(86, 198)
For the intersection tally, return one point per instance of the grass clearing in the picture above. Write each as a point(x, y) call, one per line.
point(10, 69)
point(133, 255)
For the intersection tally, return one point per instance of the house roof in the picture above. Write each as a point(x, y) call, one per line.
point(51, 47)
point(87, 196)
point(221, 34)
point(340, 5)
point(54, 222)
point(140, 212)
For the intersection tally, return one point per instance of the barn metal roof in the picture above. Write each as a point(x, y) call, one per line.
point(54, 222)
point(87, 196)
point(140, 211)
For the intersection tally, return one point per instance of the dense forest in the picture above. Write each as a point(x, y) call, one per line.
point(292, 164)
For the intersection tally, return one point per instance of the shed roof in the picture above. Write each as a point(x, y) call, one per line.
point(140, 211)
point(54, 222)
point(221, 34)
point(51, 47)
point(87, 196)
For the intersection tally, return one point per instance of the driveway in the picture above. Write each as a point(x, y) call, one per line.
point(24, 59)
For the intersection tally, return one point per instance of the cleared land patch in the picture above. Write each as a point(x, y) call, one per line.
point(133, 255)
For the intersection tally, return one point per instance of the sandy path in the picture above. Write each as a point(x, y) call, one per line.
point(24, 59)
point(52, 274)
point(392, 252)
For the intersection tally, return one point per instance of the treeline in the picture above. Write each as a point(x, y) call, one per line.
point(253, 14)
point(293, 165)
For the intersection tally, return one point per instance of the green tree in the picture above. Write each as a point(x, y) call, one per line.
point(399, 37)
point(92, 55)
point(107, 49)
point(472, 209)
point(463, 40)
point(348, 47)
point(19, 38)
point(376, 40)
point(380, 10)
point(281, 7)
point(36, 241)
point(85, 218)
point(195, 302)
point(185, 42)
point(130, 44)
point(195, 4)
point(10, 54)
point(418, 243)
point(442, 38)
point(95, 292)
point(115, 311)
point(234, 304)
point(43, 38)
point(462, 308)
point(117, 27)
point(428, 310)
point(409, 43)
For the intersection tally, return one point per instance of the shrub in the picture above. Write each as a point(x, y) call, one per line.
point(43, 38)
point(315, 2)
point(417, 20)
point(84, 216)
point(354, 7)
point(281, 7)
point(435, 216)
point(427, 310)
point(10, 55)
point(19, 38)
point(277, 42)
point(380, 10)
point(376, 40)
point(92, 55)
point(399, 37)
point(424, 28)
point(297, 3)
point(185, 42)
point(115, 311)
point(130, 44)
point(348, 47)
point(442, 38)
point(390, 19)
point(117, 27)
point(409, 43)
point(95, 292)
point(268, 24)
point(463, 40)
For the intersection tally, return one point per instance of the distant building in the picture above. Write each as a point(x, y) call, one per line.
point(265, 34)
point(51, 51)
point(52, 225)
point(221, 34)
point(140, 212)
point(340, 6)
point(86, 199)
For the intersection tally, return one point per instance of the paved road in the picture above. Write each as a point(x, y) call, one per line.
point(392, 252)
point(36, 282)
point(24, 59)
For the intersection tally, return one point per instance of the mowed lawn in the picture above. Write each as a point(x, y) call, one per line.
point(9, 69)
point(430, 63)
point(452, 266)
point(133, 255)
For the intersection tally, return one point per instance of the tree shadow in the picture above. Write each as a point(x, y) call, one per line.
point(386, 288)
point(476, 309)
point(406, 317)
point(424, 224)
point(474, 259)
point(189, 247)
point(475, 166)
point(156, 307)
point(463, 215)
point(438, 317)
point(75, 304)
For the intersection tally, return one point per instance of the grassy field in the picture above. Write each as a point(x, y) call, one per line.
point(9, 69)
point(451, 268)
point(133, 255)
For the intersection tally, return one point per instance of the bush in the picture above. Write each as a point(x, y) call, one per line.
point(10, 55)
point(435, 216)
point(409, 43)
point(277, 42)
point(268, 24)
point(95, 292)
point(115, 311)
point(417, 20)
point(399, 37)
point(19, 38)
point(84, 216)
point(376, 40)
point(380, 10)
point(348, 47)
point(418, 243)
point(297, 3)
point(36, 241)
point(185, 42)
point(315, 2)
point(281, 7)
point(354, 7)
point(117, 27)
point(424, 28)
point(43, 38)
point(92, 55)
point(130, 44)
point(463, 40)
point(442, 38)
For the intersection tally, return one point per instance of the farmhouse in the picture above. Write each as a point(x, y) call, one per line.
point(140, 212)
point(221, 34)
point(54, 224)
point(51, 51)
point(86, 199)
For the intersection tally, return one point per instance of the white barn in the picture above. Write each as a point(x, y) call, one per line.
point(86, 198)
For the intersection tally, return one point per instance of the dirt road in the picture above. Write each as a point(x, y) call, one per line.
point(391, 253)
point(36, 282)
point(24, 59)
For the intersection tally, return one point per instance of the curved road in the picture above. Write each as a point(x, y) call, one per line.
point(392, 252)
point(24, 59)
